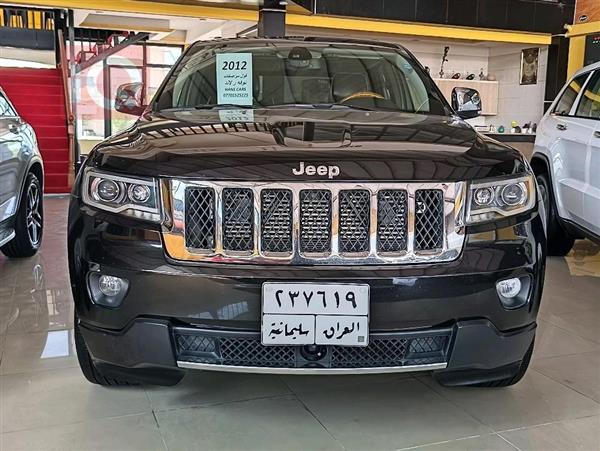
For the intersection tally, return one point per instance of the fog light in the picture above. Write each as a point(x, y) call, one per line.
point(107, 291)
point(110, 286)
point(509, 288)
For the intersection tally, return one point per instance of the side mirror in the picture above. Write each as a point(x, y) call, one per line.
point(129, 99)
point(466, 102)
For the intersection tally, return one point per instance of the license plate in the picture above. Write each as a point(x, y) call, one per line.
point(311, 313)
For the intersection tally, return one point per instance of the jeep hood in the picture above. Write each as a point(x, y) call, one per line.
point(265, 145)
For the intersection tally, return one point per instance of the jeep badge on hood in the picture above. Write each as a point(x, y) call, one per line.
point(329, 171)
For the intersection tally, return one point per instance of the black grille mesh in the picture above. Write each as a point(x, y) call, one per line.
point(429, 219)
point(315, 221)
point(238, 219)
point(355, 208)
point(252, 352)
point(381, 352)
point(392, 209)
point(200, 218)
point(276, 220)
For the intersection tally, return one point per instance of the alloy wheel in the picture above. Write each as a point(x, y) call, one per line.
point(34, 215)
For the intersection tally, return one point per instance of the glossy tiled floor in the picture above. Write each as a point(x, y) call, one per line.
point(46, 404)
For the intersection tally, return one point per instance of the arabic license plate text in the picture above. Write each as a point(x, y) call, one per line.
point(315, 299)
point(308, 313)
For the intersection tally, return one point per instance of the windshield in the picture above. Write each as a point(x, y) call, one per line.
point(311, 75)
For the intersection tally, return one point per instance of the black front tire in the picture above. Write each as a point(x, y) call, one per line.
point(560, 242)
point(87, 366)
point(29, 221)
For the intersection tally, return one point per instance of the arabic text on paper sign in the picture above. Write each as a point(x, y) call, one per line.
point(234, 78)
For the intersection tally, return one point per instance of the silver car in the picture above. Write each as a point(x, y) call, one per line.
point(21, 184)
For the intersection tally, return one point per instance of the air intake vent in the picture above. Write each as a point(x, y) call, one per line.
point(315, 221)
point(429, 219)
point(355, 220)
point(238, 219)
point(200, 218)
point(276, 220)
point(392, 217)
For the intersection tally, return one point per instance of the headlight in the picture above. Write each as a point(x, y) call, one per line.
point(492, 200)
point(129, 196)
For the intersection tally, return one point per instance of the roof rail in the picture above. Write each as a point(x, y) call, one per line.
point(323, 39)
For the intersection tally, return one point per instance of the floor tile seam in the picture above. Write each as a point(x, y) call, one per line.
point(72, 423)
point(459, 407)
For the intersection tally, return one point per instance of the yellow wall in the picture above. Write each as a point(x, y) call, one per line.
point(577, 34)
point(320, 21)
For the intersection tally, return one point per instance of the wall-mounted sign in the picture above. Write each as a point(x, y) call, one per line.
point(592, 49)
point(529, 66)
point(234, 78)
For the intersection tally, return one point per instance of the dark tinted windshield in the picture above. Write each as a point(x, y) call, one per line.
point(306, 74)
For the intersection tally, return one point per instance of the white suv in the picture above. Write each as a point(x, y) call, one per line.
point(566, 161)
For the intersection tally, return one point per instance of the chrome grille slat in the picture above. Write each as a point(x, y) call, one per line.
point(429, 220)
point(392, 218)
point(354, 221)
point(323, 223)
point(276, 220)
point(200, 218)
point(238, 219)
point(315, 221)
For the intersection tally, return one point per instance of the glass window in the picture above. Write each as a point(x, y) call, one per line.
point(563, 107)
point(132, 55)
point(154, 77)
point(589, 105)
point(5, 109)
point(310, 76)
point(162, 55)
point(90, 102)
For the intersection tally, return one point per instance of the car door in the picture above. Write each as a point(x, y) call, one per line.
point(588, 114)
point(11, 143)
point(567, 139)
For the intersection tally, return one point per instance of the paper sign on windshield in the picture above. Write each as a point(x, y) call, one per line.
point(234, 78)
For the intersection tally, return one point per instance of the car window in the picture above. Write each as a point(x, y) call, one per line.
point(317, 75)
point(5, 109)
point(589, 105)
point(564, 104)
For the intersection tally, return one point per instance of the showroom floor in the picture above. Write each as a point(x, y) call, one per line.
point(45, 403)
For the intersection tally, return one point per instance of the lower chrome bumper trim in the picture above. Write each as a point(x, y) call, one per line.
point(308, 371)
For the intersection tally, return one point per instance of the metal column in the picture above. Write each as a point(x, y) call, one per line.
point(271, 18)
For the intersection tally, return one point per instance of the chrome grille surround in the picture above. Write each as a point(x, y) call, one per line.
point(453, 195)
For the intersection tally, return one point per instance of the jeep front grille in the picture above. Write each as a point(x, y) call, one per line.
point(321, 223)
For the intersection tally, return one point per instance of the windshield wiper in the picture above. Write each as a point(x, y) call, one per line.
point(319, 106)
point(210, 106)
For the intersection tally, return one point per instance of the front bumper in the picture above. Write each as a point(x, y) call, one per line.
point(166, 299)
point(155, 351)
